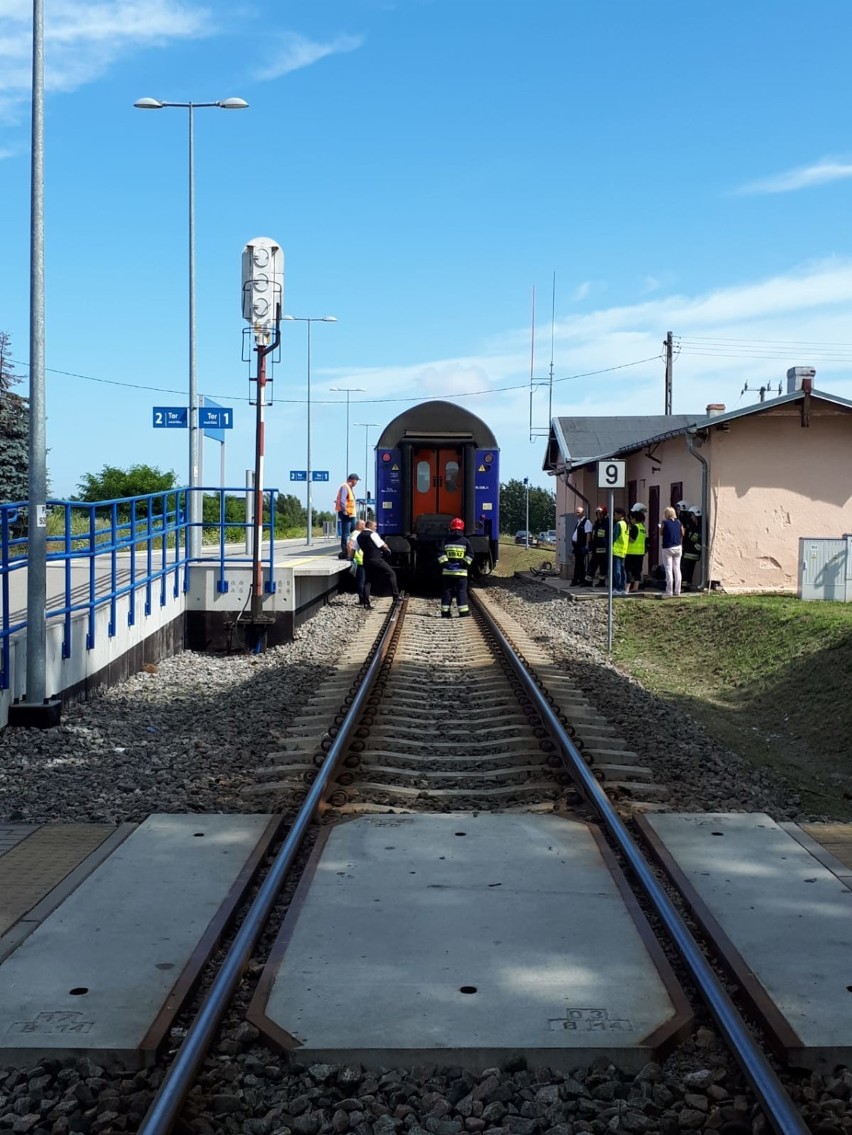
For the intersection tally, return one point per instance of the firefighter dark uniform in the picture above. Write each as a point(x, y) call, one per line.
point(599, 559)
point(455, 555)
point(691, 545)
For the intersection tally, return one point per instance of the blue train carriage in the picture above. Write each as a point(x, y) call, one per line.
point(433, 462)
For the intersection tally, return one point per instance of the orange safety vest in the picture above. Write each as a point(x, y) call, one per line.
point(345, 499)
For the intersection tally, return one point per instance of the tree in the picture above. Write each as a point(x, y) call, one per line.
point(289, 512)
point(113, 483)
point(513, 507)
point(14, 430)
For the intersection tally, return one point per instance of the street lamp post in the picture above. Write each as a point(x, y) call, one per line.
point(349, 390)
point(194, 448)
point(367, 427)
point(309, 319)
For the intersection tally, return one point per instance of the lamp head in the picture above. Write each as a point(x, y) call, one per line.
point(232, 104)
point(149, 104)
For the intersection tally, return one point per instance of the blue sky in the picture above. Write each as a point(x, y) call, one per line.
point(426, 164)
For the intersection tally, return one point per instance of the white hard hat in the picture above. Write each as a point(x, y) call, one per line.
point(638, 508)
point(695, 510)
point(681, 506)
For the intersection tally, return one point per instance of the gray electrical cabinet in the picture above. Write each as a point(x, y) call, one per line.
point(825, 568)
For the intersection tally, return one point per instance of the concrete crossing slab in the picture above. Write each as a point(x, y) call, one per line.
point(781, 918)
point(104, 974)
point(465, 938)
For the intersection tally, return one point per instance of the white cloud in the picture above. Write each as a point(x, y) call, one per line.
point(820, 173)
point(82, 38)
point(747, 333)
point(294, 52)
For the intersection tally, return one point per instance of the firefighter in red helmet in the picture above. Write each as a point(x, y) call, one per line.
point(455, 555)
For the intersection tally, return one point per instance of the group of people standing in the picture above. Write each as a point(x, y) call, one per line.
point(627, 534)
point(361, 543)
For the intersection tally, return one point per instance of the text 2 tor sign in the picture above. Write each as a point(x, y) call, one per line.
point(170, 417)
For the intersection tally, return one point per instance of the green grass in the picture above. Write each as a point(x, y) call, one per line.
point(516, 557)
point(767, 675)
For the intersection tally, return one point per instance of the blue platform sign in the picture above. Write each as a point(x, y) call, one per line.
point(213, 419)
point(170, 417)
point(298, 474)
point(319, 475)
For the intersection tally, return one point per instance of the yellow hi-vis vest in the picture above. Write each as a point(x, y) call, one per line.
point(637, 547)
point(619, 539)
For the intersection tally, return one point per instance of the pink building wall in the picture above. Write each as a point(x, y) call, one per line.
point(771, 481)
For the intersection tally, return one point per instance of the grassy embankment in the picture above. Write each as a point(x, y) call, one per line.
point(769, 676)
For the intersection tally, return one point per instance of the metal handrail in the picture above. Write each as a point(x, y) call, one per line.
point(120, 547)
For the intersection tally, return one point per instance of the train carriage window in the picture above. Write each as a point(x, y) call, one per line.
point(451, 476)
point(424, 476)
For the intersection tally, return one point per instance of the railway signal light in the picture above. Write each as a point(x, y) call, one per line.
point(263, 285)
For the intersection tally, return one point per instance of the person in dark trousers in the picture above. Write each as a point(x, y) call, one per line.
point(376, 569)
point(620, 540)
point(580, 538)
point(636, 546)
point(691, 546)
point(357, 557)
point(455, 555)
point(599, 559)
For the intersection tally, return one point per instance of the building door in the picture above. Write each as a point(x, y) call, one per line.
point(653, 529)
point(437, 483)
point(676, 494)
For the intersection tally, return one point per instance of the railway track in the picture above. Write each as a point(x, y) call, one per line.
point(449, 726)
point(382, 738)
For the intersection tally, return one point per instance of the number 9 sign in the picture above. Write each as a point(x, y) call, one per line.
point(611, 474)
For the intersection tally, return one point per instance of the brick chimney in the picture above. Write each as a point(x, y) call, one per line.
point(800, 378)
point(715, 408)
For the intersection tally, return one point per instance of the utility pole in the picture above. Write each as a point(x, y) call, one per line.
point(668, 346)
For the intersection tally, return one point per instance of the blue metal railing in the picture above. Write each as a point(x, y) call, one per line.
point(109, 551)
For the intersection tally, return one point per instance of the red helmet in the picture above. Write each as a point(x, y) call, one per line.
point(457, 525)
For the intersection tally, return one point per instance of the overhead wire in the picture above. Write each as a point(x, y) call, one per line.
point(334, 402)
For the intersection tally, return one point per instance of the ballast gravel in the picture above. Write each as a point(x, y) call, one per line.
point(185, 736)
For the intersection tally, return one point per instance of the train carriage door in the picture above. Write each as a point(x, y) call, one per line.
point(450, 481)
point(424, 483)
point(436, 476)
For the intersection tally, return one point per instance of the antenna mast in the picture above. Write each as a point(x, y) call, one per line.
point(537, 431)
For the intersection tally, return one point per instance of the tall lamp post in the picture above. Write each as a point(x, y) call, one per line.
point(309, 319)
point(349, 390)
point(367, 427)
point(194, 448)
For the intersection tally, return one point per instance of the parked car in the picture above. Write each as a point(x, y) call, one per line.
point(548, 537)
point(524, 537)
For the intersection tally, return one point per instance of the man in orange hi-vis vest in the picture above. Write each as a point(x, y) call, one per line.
point(345, 505)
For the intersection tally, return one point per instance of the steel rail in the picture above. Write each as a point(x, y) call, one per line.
point(779, 1108)
point(167, 1104)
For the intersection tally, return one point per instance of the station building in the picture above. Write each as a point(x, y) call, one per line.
point(763, 476)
